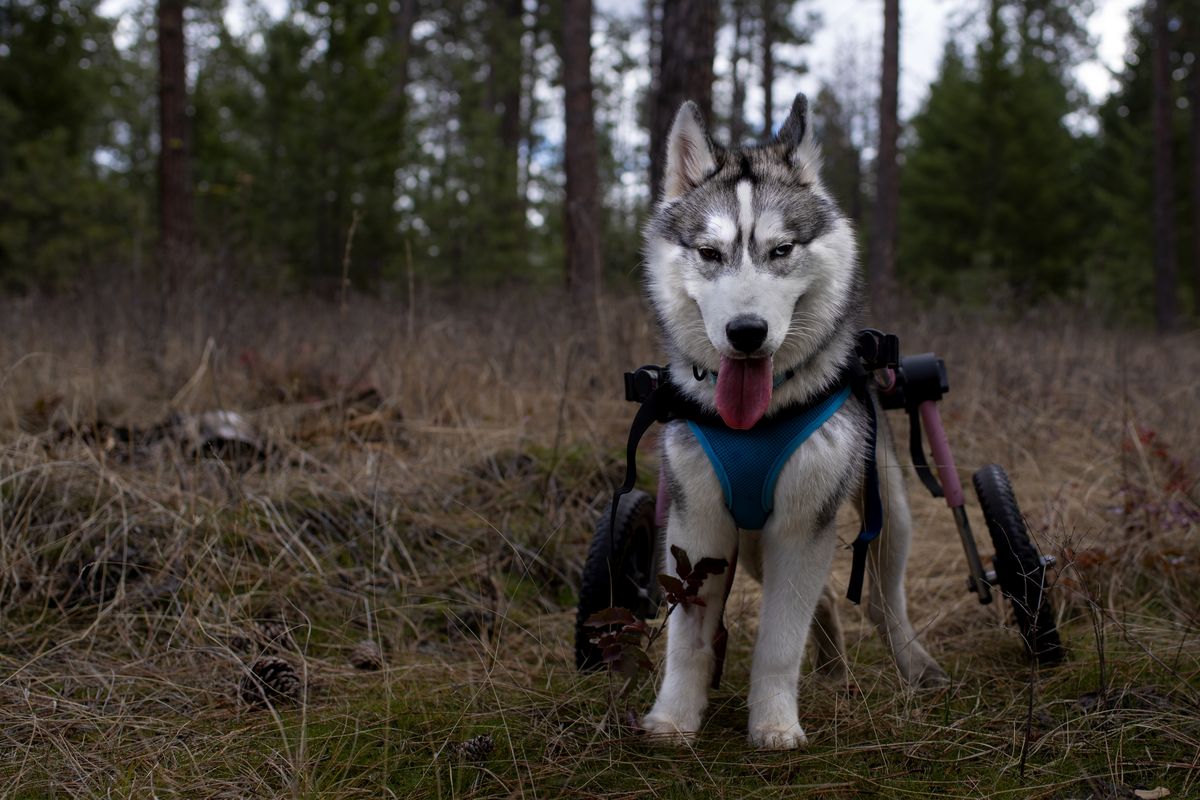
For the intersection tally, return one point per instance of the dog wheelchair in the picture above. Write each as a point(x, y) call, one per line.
point(623, 560)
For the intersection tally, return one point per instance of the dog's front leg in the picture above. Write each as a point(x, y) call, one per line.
point(795, 565)
point(700, 525)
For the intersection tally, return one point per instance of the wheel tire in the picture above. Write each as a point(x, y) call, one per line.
point(1019, 568)
point(620, 572)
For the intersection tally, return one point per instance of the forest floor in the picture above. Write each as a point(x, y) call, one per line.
point(426, 476)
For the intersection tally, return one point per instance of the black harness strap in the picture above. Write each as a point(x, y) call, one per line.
point(873, 510)
point(657, 407)
point(917, 451)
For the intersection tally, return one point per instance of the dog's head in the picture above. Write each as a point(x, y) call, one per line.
point(750, 264)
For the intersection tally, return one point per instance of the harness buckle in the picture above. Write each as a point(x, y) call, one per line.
point(642, 382)
point(878, 350)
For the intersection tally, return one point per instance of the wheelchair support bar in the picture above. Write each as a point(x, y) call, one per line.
point(916, 449)
point(943, 459)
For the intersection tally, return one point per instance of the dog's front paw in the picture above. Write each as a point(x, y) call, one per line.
point(666, 729)
point(930, 675)
point(778, 738)
point(919, 670)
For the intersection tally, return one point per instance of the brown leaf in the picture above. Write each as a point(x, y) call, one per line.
point(709, 566)
point(683, 564)
point(672, 586)
point(611, 616)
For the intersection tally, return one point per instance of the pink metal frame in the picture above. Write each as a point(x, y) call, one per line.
point(943, 459)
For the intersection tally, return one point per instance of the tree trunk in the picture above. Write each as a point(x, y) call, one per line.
point(1195, 147)
point(176, 215)
point(881, 273)
point(508, 33)
point(768, 67)
point(404, 16)
point(1165, 266)
point(529, 86)
point(688, 44)
point(580, 159)
point(654, 25)
point(737, 105)
point(856, 195)
point(507, 46)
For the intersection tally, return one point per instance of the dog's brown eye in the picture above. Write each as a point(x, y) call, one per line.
point(783, 250)
point(709, 253)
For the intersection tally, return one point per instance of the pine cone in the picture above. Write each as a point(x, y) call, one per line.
point(270, 680)
point(274, 634)
point(366, 655)
point(476, 749)
point(269, 632)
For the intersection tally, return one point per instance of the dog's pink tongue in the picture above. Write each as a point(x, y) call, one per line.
point(743, 391)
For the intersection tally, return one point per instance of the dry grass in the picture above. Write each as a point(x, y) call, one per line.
point(445, 516)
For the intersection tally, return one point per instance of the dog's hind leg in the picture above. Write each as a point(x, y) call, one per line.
point(886, 560)
point(830, 657)
point(700, 525)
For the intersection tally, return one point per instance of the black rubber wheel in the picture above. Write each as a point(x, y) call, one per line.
point(621, 571)
point(1019, 568)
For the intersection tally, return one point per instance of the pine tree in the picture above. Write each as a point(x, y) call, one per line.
point(741, 14)
point(1193, 33)
point(584, 265)
point(62, 84)
point(687, 46)
point(881, 271)
point(506, 67)
point(780, 25)
point(1122, 167)
point(176, 220)
point(1165, 258)
point(993, 187)
point(769, 22)
point(842, 159)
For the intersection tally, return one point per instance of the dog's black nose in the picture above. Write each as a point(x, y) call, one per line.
point(746, 332)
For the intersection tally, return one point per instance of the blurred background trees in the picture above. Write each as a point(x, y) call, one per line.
point(996, 189)
point(449, 138)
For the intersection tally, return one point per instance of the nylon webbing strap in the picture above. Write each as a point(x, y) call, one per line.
point(656, 407)
point(873, 511)
point(924, 472)
point(721, 637)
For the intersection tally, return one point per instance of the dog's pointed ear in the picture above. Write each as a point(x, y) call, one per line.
point(796, 124)
point(690, 156)
point(796, 136)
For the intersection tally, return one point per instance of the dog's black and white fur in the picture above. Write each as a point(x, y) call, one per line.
point(786, 255)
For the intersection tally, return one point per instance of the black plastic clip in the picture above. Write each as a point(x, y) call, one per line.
point(877, 349)
point(642, 382)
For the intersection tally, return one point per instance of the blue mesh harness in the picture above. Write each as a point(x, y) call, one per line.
point(748, 462)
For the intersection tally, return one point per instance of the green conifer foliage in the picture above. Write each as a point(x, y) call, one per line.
point(1122, 166)
point(59, 213)
point(993, 191)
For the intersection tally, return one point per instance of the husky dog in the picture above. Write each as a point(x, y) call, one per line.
point(753, 274)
